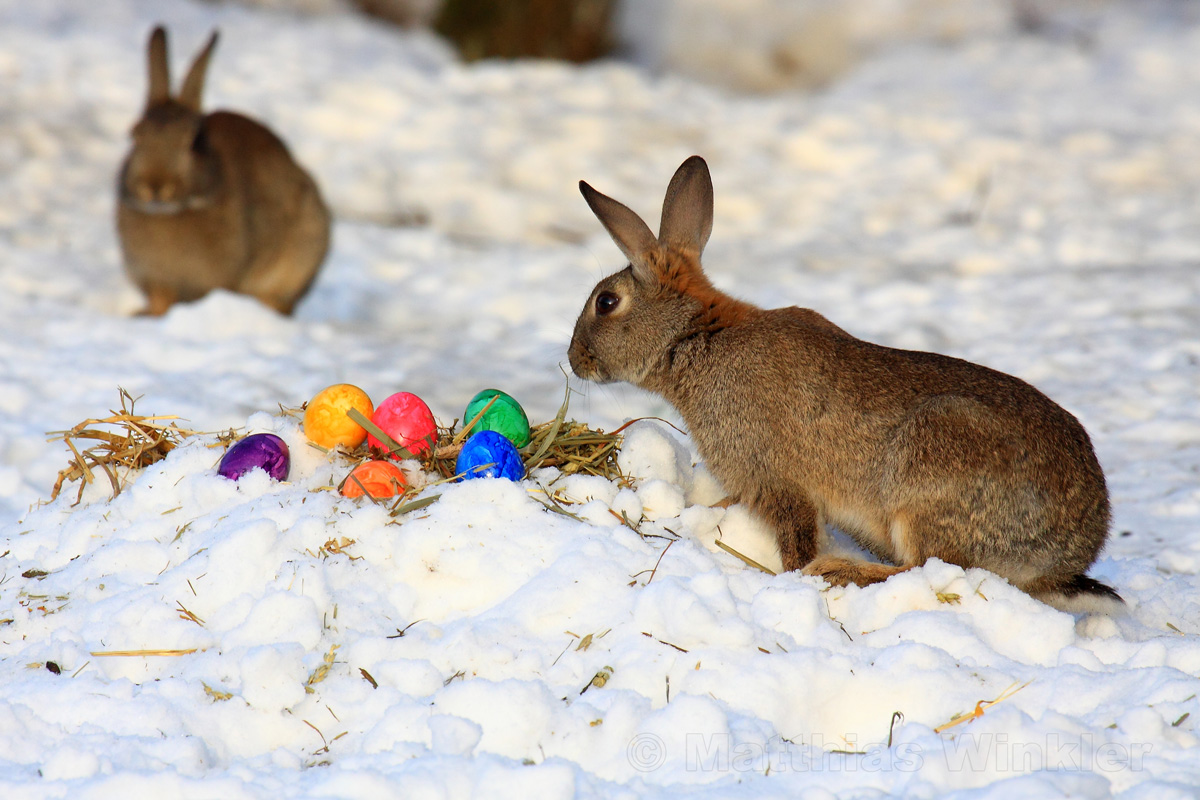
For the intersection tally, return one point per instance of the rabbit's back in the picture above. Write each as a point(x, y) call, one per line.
point(275, 191)
point(287, 222)
point(884, 440)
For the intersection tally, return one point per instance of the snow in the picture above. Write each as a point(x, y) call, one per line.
point(1026, 202)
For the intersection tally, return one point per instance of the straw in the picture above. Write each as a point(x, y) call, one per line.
point(138, 441)
point(746, 559)
point(126, 653)
point(980, 707)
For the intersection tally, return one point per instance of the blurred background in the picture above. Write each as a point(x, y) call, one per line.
point(756, 45)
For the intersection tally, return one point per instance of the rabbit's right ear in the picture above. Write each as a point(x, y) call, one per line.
point(156, 63)
point(193, 83)
point(687, 215)
point(626, 228)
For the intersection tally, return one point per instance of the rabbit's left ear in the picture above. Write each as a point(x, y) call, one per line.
point(687, 215)
point(193, 84)
point(159, 72)
point(627, 229)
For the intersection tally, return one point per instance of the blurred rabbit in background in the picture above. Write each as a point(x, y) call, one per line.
point(213, 201)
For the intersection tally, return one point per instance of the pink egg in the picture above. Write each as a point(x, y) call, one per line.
point(407, 419)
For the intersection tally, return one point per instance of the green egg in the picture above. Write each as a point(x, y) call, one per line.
point(505, 416)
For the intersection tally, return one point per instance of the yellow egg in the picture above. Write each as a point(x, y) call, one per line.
point(325, 419)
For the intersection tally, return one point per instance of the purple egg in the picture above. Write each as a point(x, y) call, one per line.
point(263, 450)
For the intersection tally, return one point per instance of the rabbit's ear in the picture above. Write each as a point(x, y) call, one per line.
point(193, 84)
point(687, 216)
point(156, 61)
point(626, 228)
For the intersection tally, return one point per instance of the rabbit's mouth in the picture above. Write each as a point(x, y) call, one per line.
point(584, 364)
point(157, 207)
point(164, 207)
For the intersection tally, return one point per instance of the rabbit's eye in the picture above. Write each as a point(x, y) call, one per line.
point(606, 303)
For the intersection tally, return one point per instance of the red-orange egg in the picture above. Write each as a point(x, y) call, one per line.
point(380, 479)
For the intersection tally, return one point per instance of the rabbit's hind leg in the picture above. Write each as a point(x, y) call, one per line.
point(842, 571)
point(281, 275)
point(279, 280)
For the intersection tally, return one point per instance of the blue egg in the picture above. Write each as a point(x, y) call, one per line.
point(488, 454)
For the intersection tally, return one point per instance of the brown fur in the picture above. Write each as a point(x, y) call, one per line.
point(915, 455)
point(214, 201)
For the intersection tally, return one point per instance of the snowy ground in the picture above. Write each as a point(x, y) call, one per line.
point(1029, 203)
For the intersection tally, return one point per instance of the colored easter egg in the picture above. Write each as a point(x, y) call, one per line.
point(380, 479)
point(326, 422)
point(263, 450)
point(504, 415)
point(489, 454)
point(407, 419)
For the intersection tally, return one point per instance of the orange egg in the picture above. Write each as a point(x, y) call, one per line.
point(325, 419)
point(380, 478)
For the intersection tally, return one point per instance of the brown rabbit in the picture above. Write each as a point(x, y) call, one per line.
point(915, 455)
point(208, 201)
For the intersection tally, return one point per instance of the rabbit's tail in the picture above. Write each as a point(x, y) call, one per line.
point(1080, 594)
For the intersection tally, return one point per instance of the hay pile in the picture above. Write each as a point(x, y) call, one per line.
point(123, 442)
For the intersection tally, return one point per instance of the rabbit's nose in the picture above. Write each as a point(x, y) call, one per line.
point(159, 191)
point(168, 192)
